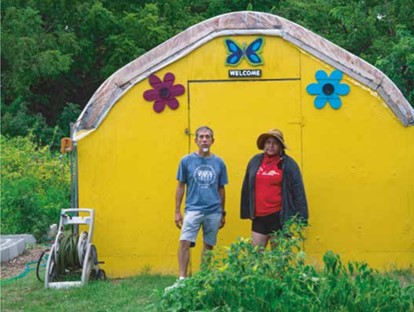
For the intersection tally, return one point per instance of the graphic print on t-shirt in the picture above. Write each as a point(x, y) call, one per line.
point(271, 172)
point(204, 175)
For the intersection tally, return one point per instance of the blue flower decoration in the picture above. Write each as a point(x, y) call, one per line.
point(328, 89)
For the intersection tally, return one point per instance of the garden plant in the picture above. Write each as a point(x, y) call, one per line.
point(248, 278)
point(35, 186)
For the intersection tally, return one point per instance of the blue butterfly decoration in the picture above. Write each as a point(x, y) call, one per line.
point(251, 53)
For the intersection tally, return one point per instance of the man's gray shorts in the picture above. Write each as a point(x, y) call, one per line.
point(193, 220)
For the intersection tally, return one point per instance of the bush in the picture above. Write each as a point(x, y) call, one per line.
point(250, 279)
point(35, 186)
point(17, 120)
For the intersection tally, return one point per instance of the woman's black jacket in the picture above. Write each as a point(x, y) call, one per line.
point(293, 191)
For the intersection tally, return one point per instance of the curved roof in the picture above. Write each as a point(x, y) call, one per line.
point(238, 23)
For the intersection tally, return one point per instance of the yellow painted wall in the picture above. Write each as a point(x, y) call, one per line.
point(358, 168)
point(357, 162)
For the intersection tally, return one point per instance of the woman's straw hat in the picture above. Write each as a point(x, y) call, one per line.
point(276, 133)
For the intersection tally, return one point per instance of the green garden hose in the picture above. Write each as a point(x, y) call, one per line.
point(30, 266)
point(67, 256)
point(67, 259)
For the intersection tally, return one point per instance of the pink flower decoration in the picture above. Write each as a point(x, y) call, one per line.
point(163, 92)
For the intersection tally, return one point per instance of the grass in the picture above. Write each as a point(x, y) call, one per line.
point(138, 293)
point(241, 278)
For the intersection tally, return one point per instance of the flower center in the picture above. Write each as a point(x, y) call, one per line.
point(164, 93)
point(328, 89)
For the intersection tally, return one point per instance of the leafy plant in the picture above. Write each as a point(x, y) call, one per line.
point(248, 278)
point(35, 186)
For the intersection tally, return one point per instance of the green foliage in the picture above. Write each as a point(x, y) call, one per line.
point(16, 120)
point(70, 113)
point(399, 62)
point(59, 52)
point(380, 32)
point(35, 186)
point(137, 293)
point(251, 279)
point(129, 294)
point(32, 55)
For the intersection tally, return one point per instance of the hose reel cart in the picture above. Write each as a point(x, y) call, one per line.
point(72, 254)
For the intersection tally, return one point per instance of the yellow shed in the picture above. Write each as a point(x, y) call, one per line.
point(346, 124)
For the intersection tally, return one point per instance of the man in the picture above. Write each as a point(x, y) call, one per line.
point(204, 175)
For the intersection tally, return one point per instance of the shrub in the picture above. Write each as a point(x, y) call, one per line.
point(35, 186)
point(250, 279)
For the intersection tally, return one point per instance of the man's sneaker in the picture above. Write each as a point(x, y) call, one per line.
point(178, 283)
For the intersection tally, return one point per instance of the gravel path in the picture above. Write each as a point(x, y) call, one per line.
point(17, 265)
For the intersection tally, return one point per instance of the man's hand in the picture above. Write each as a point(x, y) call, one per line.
point(222, 222)
point(179, 194)
point(179, 219)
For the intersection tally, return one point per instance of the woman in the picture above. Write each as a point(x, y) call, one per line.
point(272, 189)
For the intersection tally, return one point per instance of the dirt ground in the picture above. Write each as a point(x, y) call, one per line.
point(17, 265)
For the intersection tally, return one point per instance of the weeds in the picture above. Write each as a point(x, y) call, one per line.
point(247, 278)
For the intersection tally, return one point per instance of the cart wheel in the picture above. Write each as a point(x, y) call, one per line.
point(87, 266)
point(51, 274)
point(94, 254)
point(101, 275)
point(58, 240)
point(82, 242)
point(98, 275)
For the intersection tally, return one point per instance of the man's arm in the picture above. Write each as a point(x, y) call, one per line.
point(179, 194)
point(222, 193)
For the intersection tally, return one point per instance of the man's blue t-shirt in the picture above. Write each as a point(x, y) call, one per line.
point(203, 176)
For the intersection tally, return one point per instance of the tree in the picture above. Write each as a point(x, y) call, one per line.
point(59, 52)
